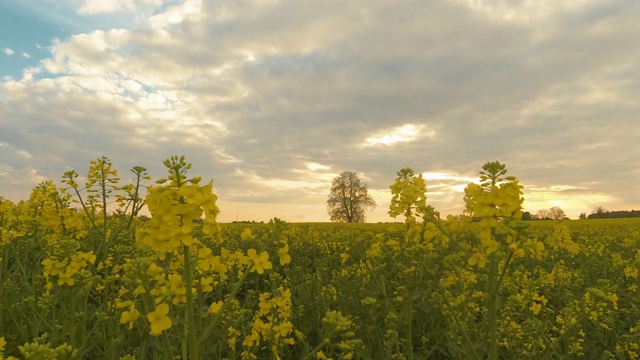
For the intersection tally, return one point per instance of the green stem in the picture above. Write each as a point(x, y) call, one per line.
point(103, 187)
point(315, 350)
point(85, 209)
point(410, 319)
point(190, 324)
point(461, 329)
point(493, 308)
point(136, 194)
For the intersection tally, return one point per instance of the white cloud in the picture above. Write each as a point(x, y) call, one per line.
point(313, 166)
point(401, 134)
point(191, 9)
point(8, 51)
point(113, 6)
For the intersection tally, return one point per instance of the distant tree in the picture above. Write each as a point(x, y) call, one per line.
point(527, 216)
point(583, 216)
point(349, 198)
point(543, 214)
point(600, 213)
point(556, 213)
point(599, 210)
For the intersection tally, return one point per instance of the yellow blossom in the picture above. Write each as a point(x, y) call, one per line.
point(492, 246)
point(283, 329)
point(233, 337)
point(247, 355)
point(283, 254)
point(206, 284)
point(393, 244)
point(158, 319)
point(66, 279)
point(215, 308)
point(517, 252)
point(155, 271)
point(130, 316)
point(260, 262)
point(535, 308)
point(477, 259)
point(630, 272)
point(247, 235)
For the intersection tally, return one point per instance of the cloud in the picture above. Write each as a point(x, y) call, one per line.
point(191, 10)
point(114, 6)
point(8, 51)
point(573, 200)
point(401, 134)
point(273, 99)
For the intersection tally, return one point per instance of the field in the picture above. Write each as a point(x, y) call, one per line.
point(93, 284)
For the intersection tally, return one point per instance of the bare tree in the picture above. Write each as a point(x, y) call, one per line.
point(349, 198)
point(543, 214)
point(556, 213)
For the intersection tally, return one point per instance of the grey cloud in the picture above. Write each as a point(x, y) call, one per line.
point(552, 96)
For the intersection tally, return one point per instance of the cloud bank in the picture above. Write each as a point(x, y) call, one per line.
point(272, 99)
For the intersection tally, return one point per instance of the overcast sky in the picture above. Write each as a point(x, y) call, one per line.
point(273, 99)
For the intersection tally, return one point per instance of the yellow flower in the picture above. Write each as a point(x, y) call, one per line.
point(130, 316)
point(205, 284)
point(536, 248)
point(614, 300)
point(283, 329)
point(175, 281)
point(393, 244)
point(2, 343)
point(233, 337)
point(261, 262)
point(215, 308)
point(247, 235)
point(284, 256)
point(66, 279)
point(535, 308)
point(630, 272)
point(492, 246)
point(247, 355)
point(518, 253)
point(159, 320)
point(155, 271)
point(477, 259)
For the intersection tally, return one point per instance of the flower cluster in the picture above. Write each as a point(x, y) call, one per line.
point(271, 324)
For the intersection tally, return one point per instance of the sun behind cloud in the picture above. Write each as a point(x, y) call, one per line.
point(400, 134)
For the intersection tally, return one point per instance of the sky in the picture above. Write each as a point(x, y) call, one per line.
point(272, 99)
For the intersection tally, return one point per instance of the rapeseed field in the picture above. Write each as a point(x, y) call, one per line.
point(78, 281)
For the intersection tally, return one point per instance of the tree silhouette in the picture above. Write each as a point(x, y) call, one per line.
point(556, 213)
point(543, 214)
point(349, 198)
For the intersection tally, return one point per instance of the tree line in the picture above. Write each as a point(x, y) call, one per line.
point(600, 213)
point(349, 200)
point(554, 213)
